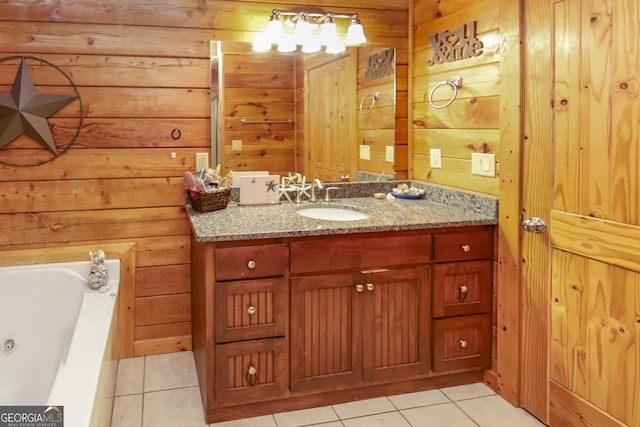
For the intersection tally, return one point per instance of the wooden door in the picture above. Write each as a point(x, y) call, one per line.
point(331, 127)
point(326, 348)
point(581, 280)
point(395, 324)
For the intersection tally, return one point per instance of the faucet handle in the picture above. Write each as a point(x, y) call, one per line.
point(327, 195)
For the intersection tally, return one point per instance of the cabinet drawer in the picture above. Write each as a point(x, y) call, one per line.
point(250, 309)
point(247, 262)
point(354, 253)
point(463, 246)
point(251, 371)
point(461, 288)
point(462, 342)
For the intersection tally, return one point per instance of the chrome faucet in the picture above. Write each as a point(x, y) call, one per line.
point(315, 184)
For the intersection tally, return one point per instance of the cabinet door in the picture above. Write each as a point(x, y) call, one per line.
point(326, 348)
point(395, 324)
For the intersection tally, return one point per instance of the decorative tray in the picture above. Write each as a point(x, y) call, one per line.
point(407, 195)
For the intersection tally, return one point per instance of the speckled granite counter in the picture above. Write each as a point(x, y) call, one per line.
point(440, 207)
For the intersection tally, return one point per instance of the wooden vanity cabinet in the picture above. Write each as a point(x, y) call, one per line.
point(461, 299)
point(286, 324)
point(356, 328)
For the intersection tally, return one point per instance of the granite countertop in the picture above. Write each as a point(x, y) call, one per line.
point(440, 207)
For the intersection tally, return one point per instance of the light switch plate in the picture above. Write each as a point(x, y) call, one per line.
point(202, 161)
point(236, 144)
point(365, 152)
point(389, 154)
point(435, 155)
point(483, 164)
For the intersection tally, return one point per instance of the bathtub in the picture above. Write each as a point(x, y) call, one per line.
point(56, 340)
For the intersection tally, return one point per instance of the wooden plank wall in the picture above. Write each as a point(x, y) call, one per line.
point(376, 128)
point(142, 70)
point(257, 87)
point(472, 122)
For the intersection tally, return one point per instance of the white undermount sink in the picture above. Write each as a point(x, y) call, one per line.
point(332, 213)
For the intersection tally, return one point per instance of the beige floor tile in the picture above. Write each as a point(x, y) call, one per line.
point(419, 398)
point(468, 391)
point(172, 408)
point(363, 407)
point(389, 419)
point(130, 376)
point(171, 370)
point(306, 417)
point(263, 421)
point(127, 411)
point(442, 415)
point(494, 411)
point(332, 424)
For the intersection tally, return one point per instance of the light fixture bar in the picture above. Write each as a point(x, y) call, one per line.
point(312, 30)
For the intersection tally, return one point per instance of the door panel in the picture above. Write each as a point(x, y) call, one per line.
point(593, 117)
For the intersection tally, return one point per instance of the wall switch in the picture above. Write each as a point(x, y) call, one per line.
point(236, 145)
point(365, 152)
point(483, 164)
point(435, 155)
point(202, 161)
point(389, 154)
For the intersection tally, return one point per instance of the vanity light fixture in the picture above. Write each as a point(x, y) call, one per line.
point(311, 30)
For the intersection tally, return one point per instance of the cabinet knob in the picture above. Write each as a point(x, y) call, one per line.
point(462, 293)
point(359, 288)
point(251, 310)
point(464, 343)
point(466, 248)
point(251, 264)
point(251, 376)
point(370, 287)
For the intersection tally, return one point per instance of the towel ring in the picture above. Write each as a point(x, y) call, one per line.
point(374, 97)
point(455, 84)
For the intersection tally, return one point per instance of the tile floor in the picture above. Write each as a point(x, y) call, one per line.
point(162, 390)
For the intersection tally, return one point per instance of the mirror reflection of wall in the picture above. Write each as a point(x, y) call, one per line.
point(294, 124)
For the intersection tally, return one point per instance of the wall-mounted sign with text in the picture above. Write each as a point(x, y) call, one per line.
point(449, 46)
point(380, 65)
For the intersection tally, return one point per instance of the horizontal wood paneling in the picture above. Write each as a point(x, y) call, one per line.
point(471, 122)
point(142, 70)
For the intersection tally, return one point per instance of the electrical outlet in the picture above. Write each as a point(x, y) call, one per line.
point(236, 144)
point(483, 164)
point(365, 152)
point(202, 161)
point(435, 155)
point(389, 154)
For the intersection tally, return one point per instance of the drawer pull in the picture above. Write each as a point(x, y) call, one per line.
point(251, 377)
point(251, 264)
point(370, 287)
point(359, 288)
point(462, 294)
point(464, 344)
point(466, 248)
point(251, 310)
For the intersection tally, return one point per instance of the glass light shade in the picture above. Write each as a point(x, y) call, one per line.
point(261, 44)
point(328, 33)
point(335, 48)
point(274, 30)
point(302, 33)
point(311, 45)
point(355, 33)
point(286, 45)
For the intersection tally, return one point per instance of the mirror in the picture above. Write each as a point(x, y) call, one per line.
point(326, 116)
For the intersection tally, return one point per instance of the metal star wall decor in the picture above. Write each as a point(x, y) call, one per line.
point(24, 111)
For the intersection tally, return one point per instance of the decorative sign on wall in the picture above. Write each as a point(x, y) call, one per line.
point(24, 111)
point(380, 65)
point(449, 46)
